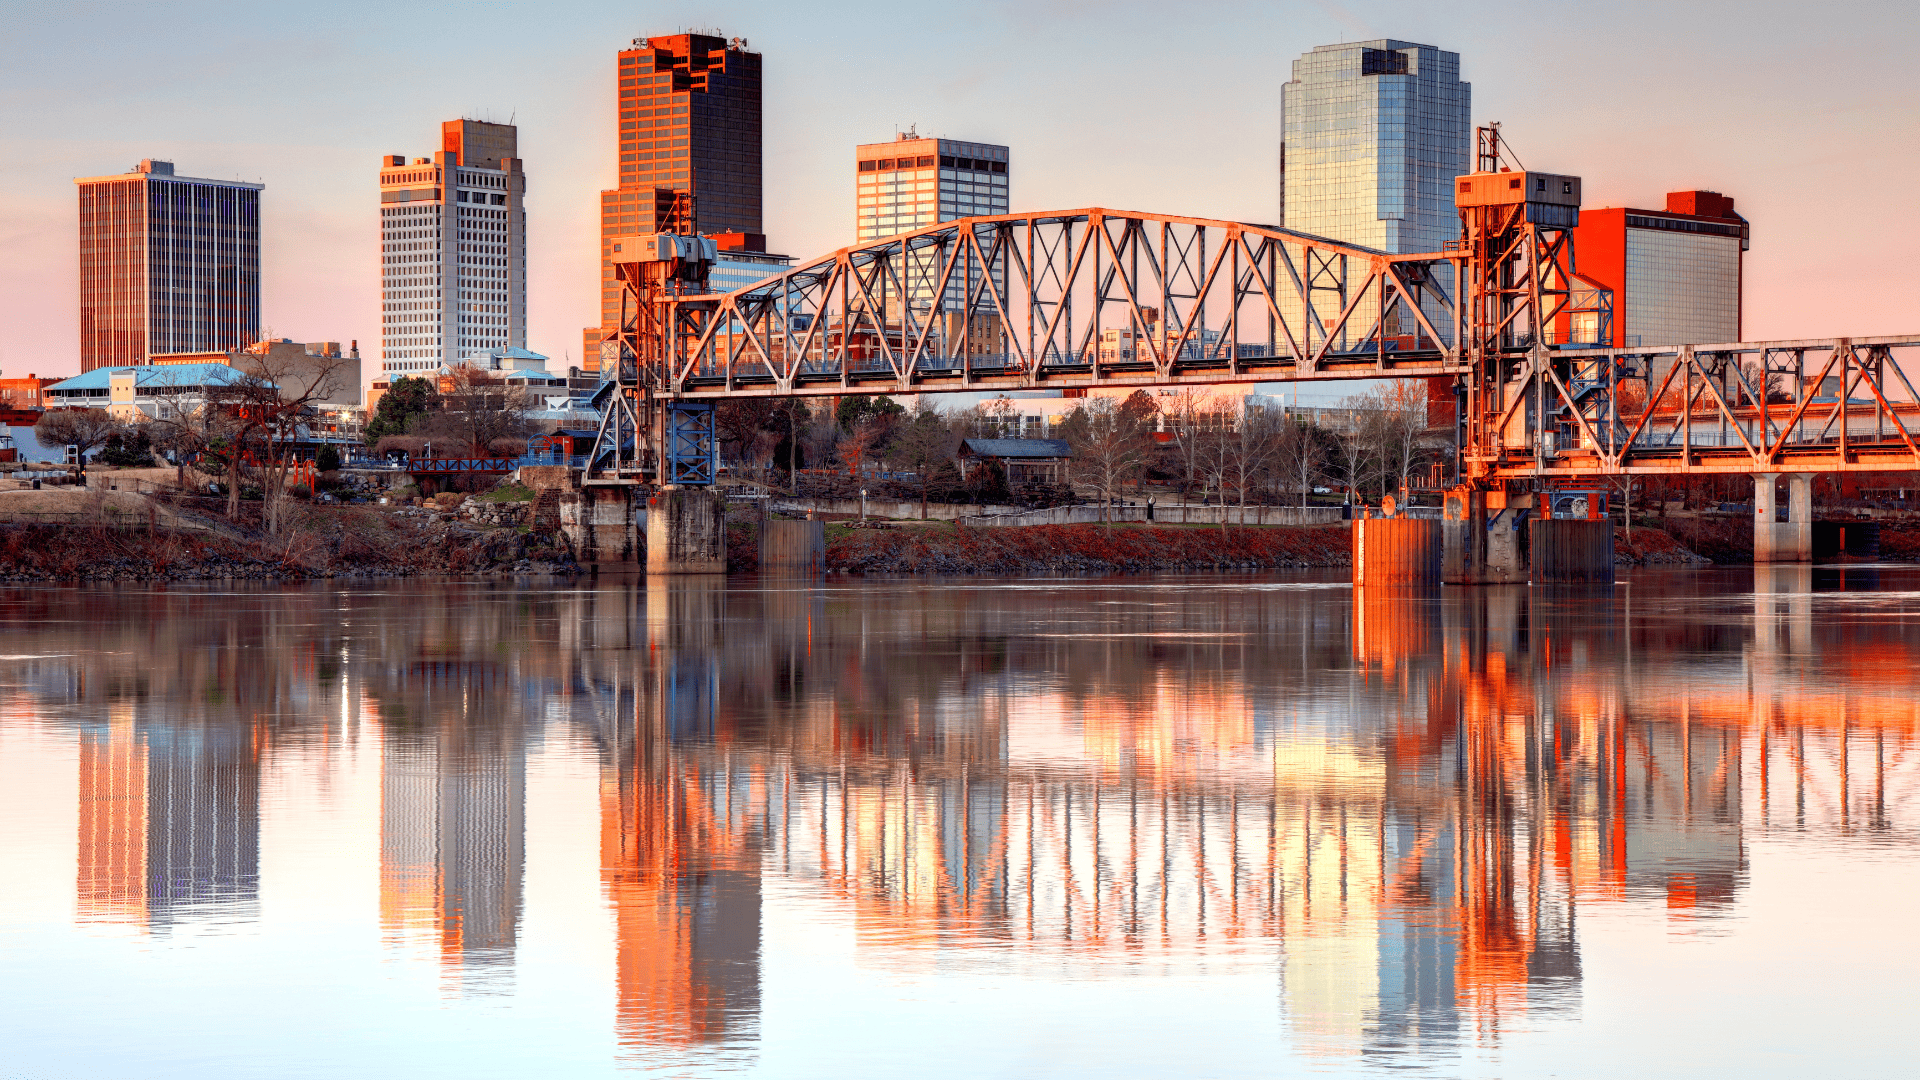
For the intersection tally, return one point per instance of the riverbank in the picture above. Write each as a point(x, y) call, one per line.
point(1084, 549)
point(349, 541)
point(320, 543)
point(1133, 549)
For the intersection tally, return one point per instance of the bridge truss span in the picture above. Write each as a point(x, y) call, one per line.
point(1816, 405)
point(1060, 300)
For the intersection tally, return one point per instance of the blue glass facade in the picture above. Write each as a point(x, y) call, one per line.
point(1375, 132)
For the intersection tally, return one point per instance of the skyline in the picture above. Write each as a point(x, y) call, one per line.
point(353, 99)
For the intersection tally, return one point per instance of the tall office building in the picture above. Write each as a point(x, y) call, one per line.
point(1375, 132)
point(453, 243)
point(168, 264)
point(689, 140)
point(911, 182)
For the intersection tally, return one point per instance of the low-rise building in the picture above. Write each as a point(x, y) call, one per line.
point(1676, 274)
point(289, 363)
point(1025, 461)
point(24, 393)
point(145, 393)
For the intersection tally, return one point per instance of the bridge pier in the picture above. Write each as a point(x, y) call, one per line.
point(1399, 552)
point(1789, 541)
point(600, 522)
point(687, 532)
point(1482, 545)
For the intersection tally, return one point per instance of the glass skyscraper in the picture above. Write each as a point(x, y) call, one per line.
point(1375, 132)
point(689, 137)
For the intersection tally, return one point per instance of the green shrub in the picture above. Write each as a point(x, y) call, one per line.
point(509, 493)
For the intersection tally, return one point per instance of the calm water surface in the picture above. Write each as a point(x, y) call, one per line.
point(1199, 827)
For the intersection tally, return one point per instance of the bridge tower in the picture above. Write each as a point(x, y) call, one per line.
point(649, 440)
point(1526, 407)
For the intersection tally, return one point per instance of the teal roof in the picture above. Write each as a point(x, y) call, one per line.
point(152, 375)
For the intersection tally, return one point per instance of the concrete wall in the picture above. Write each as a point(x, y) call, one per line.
point(1067, 515)
point(1169, 515)
point(879, 509)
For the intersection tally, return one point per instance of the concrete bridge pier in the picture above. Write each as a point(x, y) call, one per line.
point(600, 522)
point(686, 532)
point(1482, 545)
point(1789, 541)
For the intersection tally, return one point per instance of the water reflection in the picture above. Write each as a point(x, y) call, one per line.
point(1400, 806)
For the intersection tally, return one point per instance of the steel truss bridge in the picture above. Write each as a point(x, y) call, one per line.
point(1098, 298)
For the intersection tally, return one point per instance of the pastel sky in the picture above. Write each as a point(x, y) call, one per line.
point(1802, 112)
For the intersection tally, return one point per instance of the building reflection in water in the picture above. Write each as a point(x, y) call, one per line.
point(1398, 805)
point(453, 781)
point(169, 821)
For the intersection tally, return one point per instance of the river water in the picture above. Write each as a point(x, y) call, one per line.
point(1168, 827)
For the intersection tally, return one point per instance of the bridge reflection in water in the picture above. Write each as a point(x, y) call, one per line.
point(1400, 806)
point(1408, 836)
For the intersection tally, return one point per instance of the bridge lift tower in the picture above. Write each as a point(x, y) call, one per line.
point(651, 441)
point(1523, 301)
point(648, 436)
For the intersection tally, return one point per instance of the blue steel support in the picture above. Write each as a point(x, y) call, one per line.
point(692, 450)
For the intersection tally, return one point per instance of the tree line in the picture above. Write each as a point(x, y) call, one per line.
point(1196, 444)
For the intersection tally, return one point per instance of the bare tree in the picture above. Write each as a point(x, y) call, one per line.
point(1110, 441)
point(1302, 454)
point(1252, 446)
point(277, 396)
point(1185, 418)
point(249, 415)
point(1397, 425)
point(991, 419)
point(1357, 457)
point(924, 442)
point(475, 411)
point(819, 433)
point(86, 430)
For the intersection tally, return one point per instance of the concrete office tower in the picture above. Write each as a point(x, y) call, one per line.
point(168, 264)
point(1375, 132)
point(912, 182)
point(689, 137)
point(909, 182)
point(453, 243)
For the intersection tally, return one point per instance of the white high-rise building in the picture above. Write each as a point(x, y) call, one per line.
point(913, 182)
point(453, 242)
point(910, 182)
